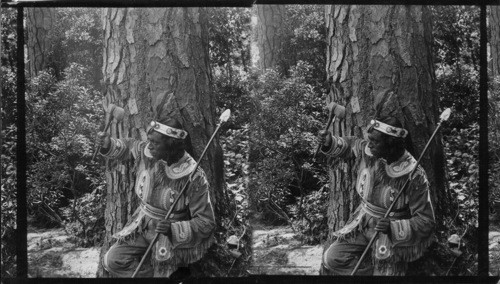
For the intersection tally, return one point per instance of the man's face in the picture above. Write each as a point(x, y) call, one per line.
point(157, 145)
point(377, 144)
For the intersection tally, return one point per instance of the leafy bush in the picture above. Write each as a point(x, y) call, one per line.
point(9, 201)
point(461, 94)
point(77, 38)
point(462, 148)
point(283, 141)
point(9, 143)
point(315, 229)
point(304, 40)
point(278, 173)
point(62, 117)
point(233, 93)
point(88, 213)
point(236, 147)
point(229, 41)
point(456, 36)
point(494, 139)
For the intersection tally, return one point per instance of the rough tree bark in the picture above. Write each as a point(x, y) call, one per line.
point(39, 24)
point(494, 40)
point(157, 57)
point(270, 20)
point(373, 50)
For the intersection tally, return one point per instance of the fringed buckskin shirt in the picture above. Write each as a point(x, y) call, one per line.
point(157, 185)
point(412, 219)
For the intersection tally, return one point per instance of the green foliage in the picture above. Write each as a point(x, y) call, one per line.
point(88, 210)
point(229, 48)
point(229, 40)
point(80, 38)
point(461, 94)
point(304, 36)
point(9, 39)
point(284, 139)
point(9, 143)
point(235, 145)
point(9, 69)
point(8, 201)
point(314, 206)
point(62, 118)
point(233, 93)
point(284, 112)
point(236, 168)
point(456, 36)
point(494, 139)
point(290, 113)
point(461, 150)
point(76, 38)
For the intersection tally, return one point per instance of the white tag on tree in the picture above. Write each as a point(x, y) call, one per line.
point(144, 135)
point(355, 104)
point(132, 106)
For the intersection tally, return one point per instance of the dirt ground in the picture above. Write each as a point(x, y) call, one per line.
point(276, 250)
point(279, 251)
point(53, 254)
point(494, 246)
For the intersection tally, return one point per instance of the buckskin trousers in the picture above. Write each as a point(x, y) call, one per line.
point(343, 255)
point(122, 258)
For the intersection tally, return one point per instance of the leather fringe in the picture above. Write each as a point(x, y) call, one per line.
point(403, 254)
point(412, 253)
point(128, 238)
point(163, 269)
point(389, 268)
point(183, 256)
point(190, 255)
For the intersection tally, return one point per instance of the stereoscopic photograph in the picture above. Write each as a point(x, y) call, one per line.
point(260, 140)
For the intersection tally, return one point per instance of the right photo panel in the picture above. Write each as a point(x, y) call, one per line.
point(493, 20)
point(364, 140)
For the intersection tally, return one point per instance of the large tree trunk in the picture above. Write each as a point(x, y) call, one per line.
point(40, 24)
point(155, 61)
point(270, 20)
point(372, 50)
point(494, 40)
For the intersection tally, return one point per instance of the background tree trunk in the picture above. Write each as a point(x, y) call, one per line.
point(372, 50)
point(40, 24)
point(155, 64)
point(270, 19)
point(494, 40)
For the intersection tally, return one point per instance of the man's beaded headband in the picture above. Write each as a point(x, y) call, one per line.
point(167, 130)
point(388, 129)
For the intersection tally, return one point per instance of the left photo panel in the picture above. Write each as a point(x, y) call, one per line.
point(135, 149)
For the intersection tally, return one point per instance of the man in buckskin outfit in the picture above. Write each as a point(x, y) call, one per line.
point(163, 167)
point(383, 167)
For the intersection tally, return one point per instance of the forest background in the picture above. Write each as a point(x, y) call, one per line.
point(270, 174)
